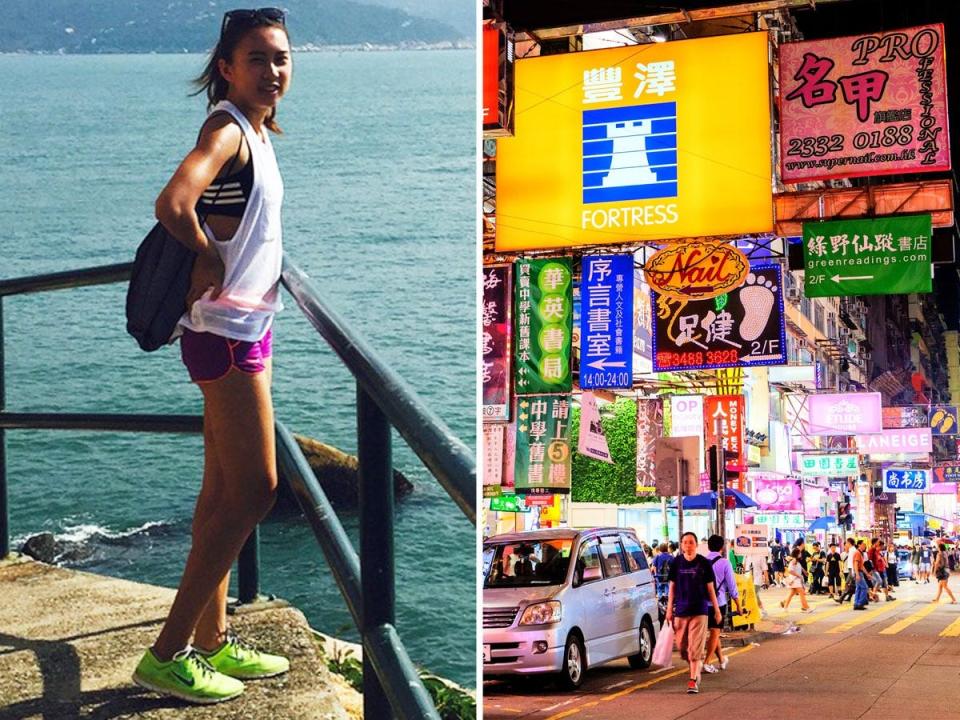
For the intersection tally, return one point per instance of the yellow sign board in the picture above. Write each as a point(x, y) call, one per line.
point(750, 608)
point(644, 142)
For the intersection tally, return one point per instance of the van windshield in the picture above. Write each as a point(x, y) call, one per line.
point(527, 563)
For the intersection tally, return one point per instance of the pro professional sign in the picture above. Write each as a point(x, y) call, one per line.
point(883, 256)
point(495, 317)
point(904, 440)
point(830, 466)
point(741, 329)
point(612, 146)
point(864, 105)
point(905, 479)
point(844, 414)
point(544, 319)
point(606, 322)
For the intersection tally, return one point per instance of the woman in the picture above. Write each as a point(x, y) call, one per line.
point(231, 178)
point(795, 586)
point(942, 573)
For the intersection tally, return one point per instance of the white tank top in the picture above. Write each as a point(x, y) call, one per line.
point(253, 257)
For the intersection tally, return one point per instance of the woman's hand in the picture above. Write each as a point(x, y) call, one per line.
point(207, 274)
point(668, 618)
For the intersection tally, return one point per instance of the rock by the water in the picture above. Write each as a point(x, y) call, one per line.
point(336, 471)
point(42, 547)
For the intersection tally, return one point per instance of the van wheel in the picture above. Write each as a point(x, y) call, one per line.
point(647, 642)
point(574, 663)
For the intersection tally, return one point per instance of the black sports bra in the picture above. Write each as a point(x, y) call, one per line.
point(228, 195)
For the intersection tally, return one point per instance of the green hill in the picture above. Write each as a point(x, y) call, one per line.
point(142, 26)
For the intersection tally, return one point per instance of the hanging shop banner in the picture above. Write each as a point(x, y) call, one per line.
point(696, 270)
point(686, 420)
point(509, 503)
point(943, 420)
point(616, 145)
point(864, 105)
point(946, 473)
point(777, 494)
point(752, 539)
point(781, 521)
point(496, 342)
point(543, 445)
point(942, 488)
point(497, 81)
point(606, 321)
point(649, 428)
point(830, 465)
point(592, 441)
point(642, 324)
point(725, 426)
point(741, 329)
point(881, 256)
point(844, 413)
point(863, 515)
point(909, 416)
point(544, 322)
point(903, 440)
point(906, 479)
point(493, 437)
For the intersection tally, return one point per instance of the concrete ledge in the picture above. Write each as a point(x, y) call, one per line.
point(70, 640)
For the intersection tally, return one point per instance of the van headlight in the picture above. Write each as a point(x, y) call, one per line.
point(542, 613)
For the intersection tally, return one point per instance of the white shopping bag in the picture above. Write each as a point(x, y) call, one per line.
point(663, 652)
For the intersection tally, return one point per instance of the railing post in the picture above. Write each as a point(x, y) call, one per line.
point(248, 569)
point(4, 516)
point(376, 538)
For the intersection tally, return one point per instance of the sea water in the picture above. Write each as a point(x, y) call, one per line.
point(378, 162)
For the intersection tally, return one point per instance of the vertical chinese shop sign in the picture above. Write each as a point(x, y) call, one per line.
point(493, 437)
point(724, 413)
point(544, 323)
point(543, 459)
point(606, 321)
point(649, 428)
point(864, 105)
point(495, 317)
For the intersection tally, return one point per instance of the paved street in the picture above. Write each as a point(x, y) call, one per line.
point(896, 660)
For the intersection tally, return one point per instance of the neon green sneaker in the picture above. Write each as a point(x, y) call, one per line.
point(187, 676)
point(239, 659)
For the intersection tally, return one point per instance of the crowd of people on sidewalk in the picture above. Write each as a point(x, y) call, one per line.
point(698, 592)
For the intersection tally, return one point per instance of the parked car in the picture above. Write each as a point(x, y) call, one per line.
point(564, 600)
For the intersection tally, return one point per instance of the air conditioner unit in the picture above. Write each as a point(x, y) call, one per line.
point(793, 294)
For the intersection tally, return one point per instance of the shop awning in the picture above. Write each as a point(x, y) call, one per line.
point(823, 523)
point(708, 500)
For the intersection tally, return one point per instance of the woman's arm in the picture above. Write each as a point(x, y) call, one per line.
point(175, 206)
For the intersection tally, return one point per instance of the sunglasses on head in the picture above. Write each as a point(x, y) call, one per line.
point(271, 14)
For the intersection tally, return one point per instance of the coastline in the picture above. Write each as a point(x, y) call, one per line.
point(462, 44)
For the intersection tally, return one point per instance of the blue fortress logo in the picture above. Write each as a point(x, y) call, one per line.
point(630, 153)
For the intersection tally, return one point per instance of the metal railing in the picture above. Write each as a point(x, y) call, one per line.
point(391, 685)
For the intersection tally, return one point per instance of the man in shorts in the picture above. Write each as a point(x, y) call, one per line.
point(691, 597)
point(926, 558)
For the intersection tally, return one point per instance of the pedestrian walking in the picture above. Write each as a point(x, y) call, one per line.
point(725, 584)
point(915, 562)
point(818, 563)
point(878, 556)
point(691, 598)
point(661, 566)
point(926, 558)
point(942, 573)
point(834, 563)
point(778, 556)
point(795, 583)
point(861, 597)
point(850, 576)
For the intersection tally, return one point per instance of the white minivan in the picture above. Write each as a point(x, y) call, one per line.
point(563, 600)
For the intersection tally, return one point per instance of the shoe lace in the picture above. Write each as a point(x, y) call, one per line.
point(241, 644)
point(197, 663)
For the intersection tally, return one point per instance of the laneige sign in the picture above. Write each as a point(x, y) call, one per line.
point(903, 440)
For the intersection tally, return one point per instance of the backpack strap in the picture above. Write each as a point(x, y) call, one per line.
point(713, 563)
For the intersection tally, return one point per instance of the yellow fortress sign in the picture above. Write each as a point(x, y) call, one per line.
point(644, 142)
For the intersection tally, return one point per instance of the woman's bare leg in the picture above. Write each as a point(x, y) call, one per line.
point(239, 410)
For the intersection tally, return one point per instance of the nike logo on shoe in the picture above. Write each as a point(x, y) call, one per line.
point(185, 681)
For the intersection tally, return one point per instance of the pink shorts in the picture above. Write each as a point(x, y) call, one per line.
point(209, 357)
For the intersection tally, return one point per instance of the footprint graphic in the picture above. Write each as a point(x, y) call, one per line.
point(757, 297)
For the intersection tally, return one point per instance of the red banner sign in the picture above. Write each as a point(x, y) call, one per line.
point(723, 417)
